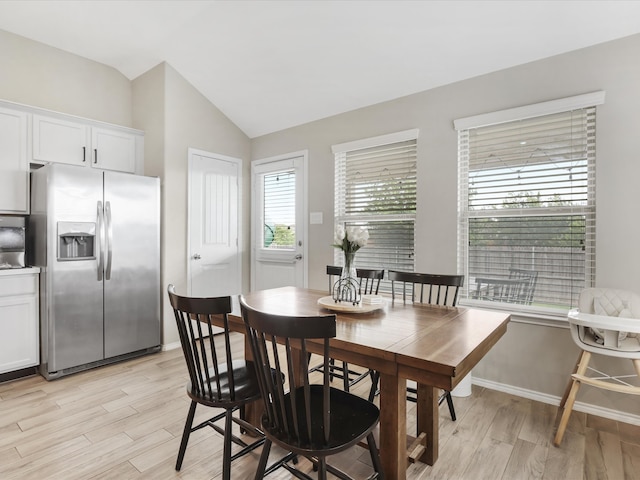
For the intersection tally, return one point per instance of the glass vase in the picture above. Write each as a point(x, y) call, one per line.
point(347, 289)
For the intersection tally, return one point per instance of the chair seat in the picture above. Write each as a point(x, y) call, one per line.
point(245, 383)
point(352, 418)
point(628, 344)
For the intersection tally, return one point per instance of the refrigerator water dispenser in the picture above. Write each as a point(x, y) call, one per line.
point(76, 241)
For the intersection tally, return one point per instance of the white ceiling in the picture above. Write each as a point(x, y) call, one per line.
point(270, 65)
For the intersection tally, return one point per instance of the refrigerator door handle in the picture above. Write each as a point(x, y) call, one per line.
point(107, 208)
point(99, 239)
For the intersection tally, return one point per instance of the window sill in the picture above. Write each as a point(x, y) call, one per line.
point(550, 318)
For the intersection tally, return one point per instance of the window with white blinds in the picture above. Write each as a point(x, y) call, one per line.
point(527, 210)
point(375, 187)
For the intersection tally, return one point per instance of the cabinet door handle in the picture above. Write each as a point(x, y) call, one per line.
point(84, 154)
point(95, 155)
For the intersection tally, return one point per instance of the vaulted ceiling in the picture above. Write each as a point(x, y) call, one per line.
point(269, 65)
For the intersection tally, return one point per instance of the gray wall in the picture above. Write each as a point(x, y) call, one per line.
point(42, 76)
point(530, 357)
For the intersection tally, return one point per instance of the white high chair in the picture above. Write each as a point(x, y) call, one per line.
point(606, 322)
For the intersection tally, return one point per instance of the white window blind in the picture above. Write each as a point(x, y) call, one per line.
point(376, 188)
point(279, 210)
point(527, 210)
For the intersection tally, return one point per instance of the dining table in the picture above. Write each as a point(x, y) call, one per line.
point(434, 346)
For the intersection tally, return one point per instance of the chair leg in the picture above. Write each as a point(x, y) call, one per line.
point(452, 411)
point(375, 456)
point(262, 465)
point(185, 434)
point(322, 468)
point(226, 456)
point(570, 382)
point(345, 376)
point(636, 363)
point(566, 404)
point(375, 378)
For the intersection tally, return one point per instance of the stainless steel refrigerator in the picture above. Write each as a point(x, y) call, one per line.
point(96, 236)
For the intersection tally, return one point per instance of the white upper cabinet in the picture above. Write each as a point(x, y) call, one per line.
point(113, 150)
point(60, 140)
point(14, 165)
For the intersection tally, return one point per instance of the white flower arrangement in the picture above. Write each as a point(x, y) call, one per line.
point(351, 239)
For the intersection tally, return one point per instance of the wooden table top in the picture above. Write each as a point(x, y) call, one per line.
point(435, 345)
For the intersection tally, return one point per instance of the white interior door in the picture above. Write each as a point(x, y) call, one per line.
point(278, 219)
point(214, 261)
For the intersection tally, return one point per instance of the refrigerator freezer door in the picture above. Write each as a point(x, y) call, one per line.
point(74, 293)
point(132, 263)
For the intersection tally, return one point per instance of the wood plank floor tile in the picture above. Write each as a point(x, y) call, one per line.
point(489, 460)
point(540, 420)
point(46, 456)
point(567, 461)
point(629, 433)
point(527, 461)
point(603, 456)
point(631, 460)
point(115, 456)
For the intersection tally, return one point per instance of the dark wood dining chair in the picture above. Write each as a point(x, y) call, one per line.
point(216, 379)
point(369, 285)
point(311, 420)
point(369, 280)
point(333, 273)
point(426, 288)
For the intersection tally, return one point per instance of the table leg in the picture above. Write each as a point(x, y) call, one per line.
point(428, 420)
point(393, 426)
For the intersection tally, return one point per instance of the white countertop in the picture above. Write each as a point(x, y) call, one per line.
point(19, 271)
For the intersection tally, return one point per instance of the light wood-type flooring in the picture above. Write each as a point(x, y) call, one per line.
point(125, 421)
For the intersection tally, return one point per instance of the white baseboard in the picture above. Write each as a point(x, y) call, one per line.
point(554, 400)
point(171, 346)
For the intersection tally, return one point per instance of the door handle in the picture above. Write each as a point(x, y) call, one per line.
point(107, 211)
point(99, 241)
point(298, 257)
point(196, 256)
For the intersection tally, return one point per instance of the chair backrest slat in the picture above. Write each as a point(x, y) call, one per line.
point(442, 289)
point(369, 280)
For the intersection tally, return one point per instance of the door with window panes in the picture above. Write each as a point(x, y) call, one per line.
point(278, 233)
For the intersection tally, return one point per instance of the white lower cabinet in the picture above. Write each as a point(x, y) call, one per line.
point(19, 324)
